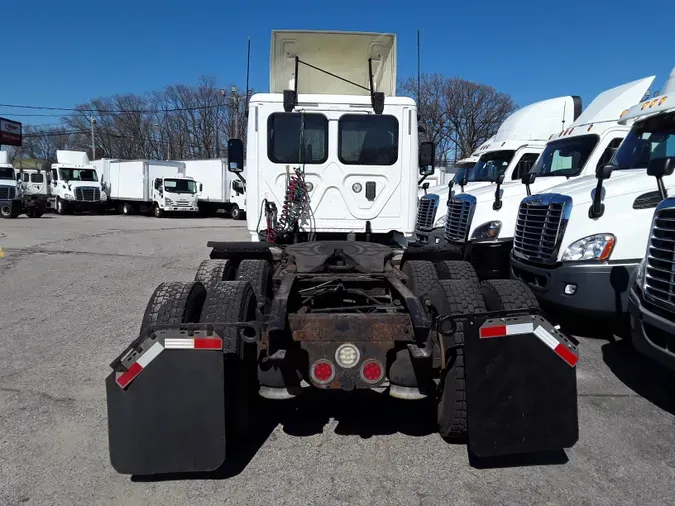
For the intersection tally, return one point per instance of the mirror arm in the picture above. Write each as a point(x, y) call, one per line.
point(597, 207)
point(527, 189)
point(662, 189)
point(422, 180)
point(497, 205)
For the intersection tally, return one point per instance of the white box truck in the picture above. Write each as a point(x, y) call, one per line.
point(143, 186)
point(222, 189)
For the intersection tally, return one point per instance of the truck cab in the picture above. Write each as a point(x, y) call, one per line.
point(578, 244)
point(75, 183)
point(332, 157)
point(177, 193)
point(237, 198)
point(8, 186)
point(591, 139)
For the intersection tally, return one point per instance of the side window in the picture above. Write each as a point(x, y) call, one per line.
point(55, 176)
point(524, 166)
point(24, 177)
point(37, 178)
point(284, 131)
point(158, 184)
point(609, 151)
point(365, 139)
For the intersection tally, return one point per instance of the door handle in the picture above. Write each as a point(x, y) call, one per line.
point(370, 190)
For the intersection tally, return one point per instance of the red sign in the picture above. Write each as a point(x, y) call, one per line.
point(10, 132)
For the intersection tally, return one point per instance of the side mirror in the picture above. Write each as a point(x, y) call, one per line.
point(235, 155)
point(497, 205)
point(604, 171)
point(201, 187)
point(500, 179)
point(529, 178)
point(427, 156)
point(660, 167)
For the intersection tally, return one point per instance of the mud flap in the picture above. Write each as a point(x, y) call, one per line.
point(170, 417)
point(521, 387)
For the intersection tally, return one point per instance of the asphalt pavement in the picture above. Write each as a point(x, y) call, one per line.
point(73, 290)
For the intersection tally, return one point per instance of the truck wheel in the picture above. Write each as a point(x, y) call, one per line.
point(421, 274)
point(463, 298)
point(507, 295)
point(174, 303)
point(6, 211)
point(127, 209)
point(235, 212)
point(457, 269)
point(211, 272)
point(61, 207)
point(37, 213)
point(157, 212)
point(259, 274)
point(229, 302)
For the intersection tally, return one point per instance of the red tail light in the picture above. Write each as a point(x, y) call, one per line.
point(372, 371)
point(322, 372)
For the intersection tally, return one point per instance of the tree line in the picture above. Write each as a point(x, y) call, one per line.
point(182, 122)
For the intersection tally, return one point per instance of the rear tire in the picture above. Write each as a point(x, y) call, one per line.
point(463, 298)
point(259, 274)
point(230, 302)
point(127, 209)
point(456, 270)
point(174, 303)
point(211, 272)
point(507, 295)
point(421, 275)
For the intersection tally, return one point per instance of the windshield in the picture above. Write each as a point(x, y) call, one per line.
point(180, 186)
point(565, 157)
point(78, 175)
point(6, 173)
point(654, 138)
point(490, 166)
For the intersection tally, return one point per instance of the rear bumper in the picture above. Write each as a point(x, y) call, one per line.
point(600, 290)
point(653, 334)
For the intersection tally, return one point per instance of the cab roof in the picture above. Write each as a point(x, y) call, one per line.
point(661, 104)
point(316, 100)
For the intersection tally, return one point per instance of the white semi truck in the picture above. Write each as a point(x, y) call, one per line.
point(510, 153)
point(21, 192)
point(74, 184)
point(222, 189)
point(149, 186)
point(482, 224)
point(578, 244)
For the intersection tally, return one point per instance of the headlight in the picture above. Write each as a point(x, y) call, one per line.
point(68, 196)
point(103, 196)
point(168, 201)
point(594, 247)
point(487, 231)
point(440, 222)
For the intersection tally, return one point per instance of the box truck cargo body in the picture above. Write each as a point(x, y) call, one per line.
point(222, 190)
point(143, 186)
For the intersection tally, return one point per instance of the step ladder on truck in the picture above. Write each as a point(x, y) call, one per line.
point(325, 298)
point(578, 244)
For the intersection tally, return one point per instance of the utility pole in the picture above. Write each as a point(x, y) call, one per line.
point(93, 144)
point(235, 102)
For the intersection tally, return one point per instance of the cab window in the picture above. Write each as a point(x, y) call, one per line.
point(524, 166)
point(609, 151)
point(365, 139)
point(37, 178)
point(287, 130)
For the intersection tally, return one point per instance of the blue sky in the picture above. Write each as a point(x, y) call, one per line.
point(70, 51)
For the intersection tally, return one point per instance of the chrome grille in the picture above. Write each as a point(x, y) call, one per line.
point(540, 226)
point(7, 193)
point(660, 267)
point(458, 220)
point(87, 194)
point(426, 212)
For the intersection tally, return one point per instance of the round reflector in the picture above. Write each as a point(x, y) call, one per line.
point(322, 371)
point(371, 371)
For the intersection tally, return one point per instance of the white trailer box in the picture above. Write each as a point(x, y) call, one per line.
point(221, 188)
point(148, 185)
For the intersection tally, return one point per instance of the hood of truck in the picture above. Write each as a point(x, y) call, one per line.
point(343, 54)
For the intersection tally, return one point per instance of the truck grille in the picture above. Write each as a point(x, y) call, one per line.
point(7, 193)
point(426, 212)
point(182, 203)
point(660, 275)
point(87, 194)
point(540, 226)
point(458, 220)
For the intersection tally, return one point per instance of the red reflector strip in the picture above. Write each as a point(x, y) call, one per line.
point(559, 348)
point(506, 330)
point(141, 363)
point(201, 343)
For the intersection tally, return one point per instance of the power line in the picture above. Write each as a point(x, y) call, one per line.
point(103, 111)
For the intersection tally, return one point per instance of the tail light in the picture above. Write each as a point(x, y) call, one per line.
point(322, 372)
point(372, 371)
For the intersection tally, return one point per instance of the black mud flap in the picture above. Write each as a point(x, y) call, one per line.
point(521, 387)
point(166, 408)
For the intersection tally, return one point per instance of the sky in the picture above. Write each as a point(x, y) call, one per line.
point(65, 52)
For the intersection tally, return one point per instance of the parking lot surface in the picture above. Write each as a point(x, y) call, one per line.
point(73, 290)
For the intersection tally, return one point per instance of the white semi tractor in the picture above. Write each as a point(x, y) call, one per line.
point(149, 186)
point(482, 223)
point(21, 192)
point(578, 244)
point(223, 190)
point(74, 184)
point(509, 154)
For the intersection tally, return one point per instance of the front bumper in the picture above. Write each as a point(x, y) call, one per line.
point(489, 258)
point(653, 334)
point(193, 209)
point(85, 205)
point(601, 290)
point(434, 237)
